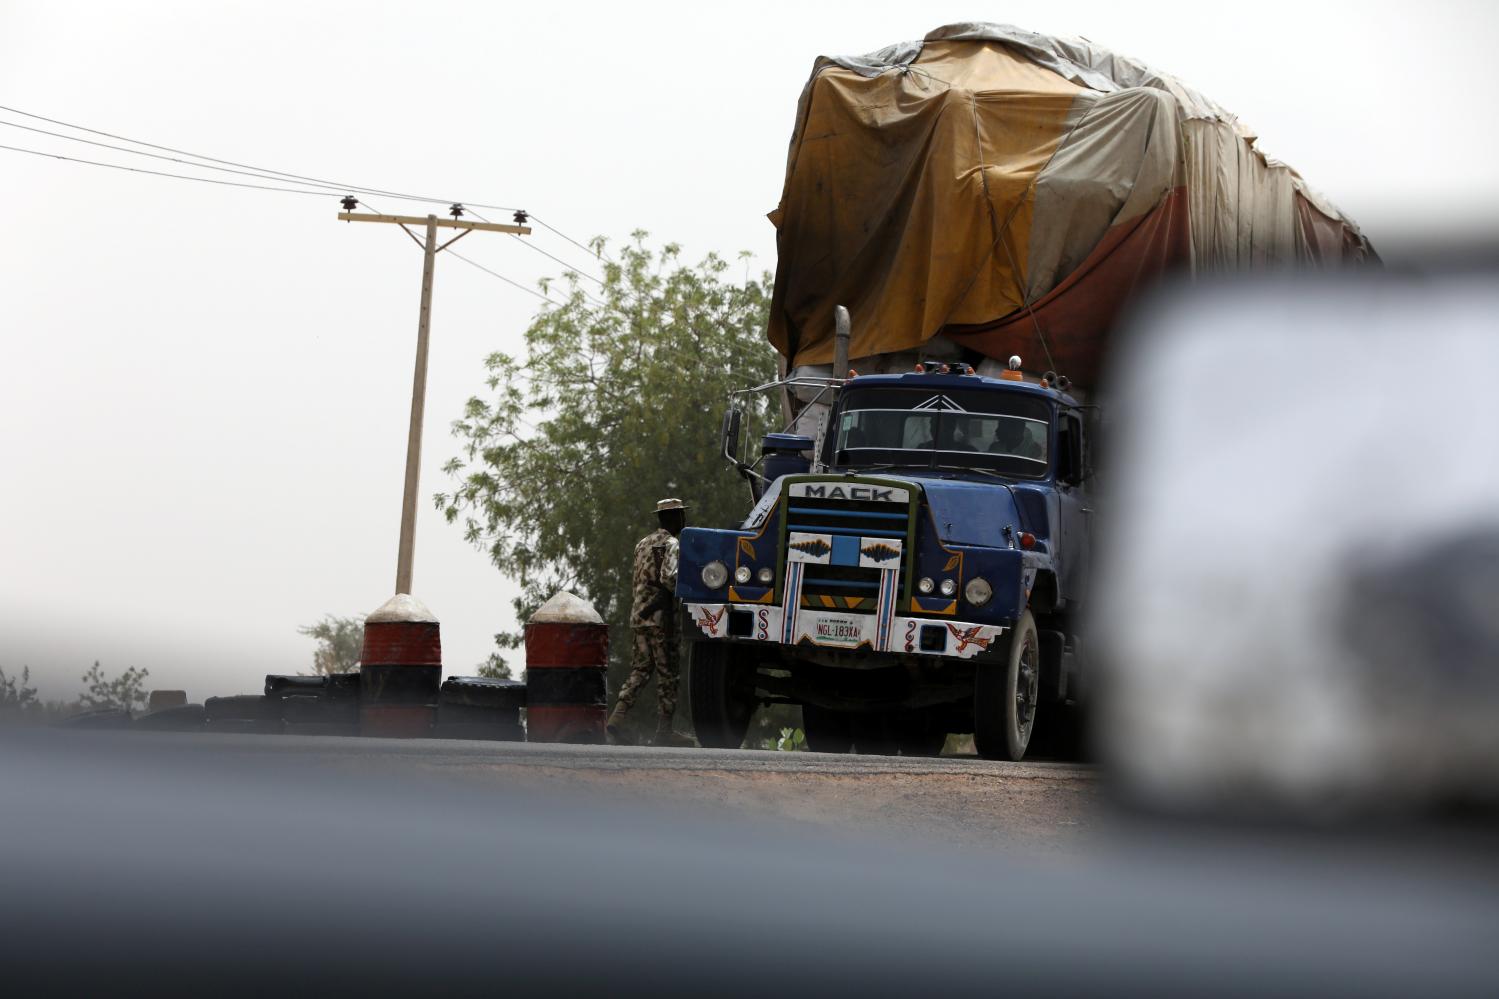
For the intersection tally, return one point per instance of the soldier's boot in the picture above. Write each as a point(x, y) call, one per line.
point(668, 736)
point(614, 728)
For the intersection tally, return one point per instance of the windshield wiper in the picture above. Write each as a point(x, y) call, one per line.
point(969, 468)
point(860, 469)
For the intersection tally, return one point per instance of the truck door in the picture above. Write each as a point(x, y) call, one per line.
point(1074, 509)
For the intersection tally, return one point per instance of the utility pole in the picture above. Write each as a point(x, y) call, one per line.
point(430, 250)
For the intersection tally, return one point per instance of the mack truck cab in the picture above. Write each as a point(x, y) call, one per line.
point(916, 570)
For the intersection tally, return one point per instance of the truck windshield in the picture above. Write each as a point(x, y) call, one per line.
point(990, 430)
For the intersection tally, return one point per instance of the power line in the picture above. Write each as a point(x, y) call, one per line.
point(577, 270)
point(559, 232)
point(492, 273)
point(354, 188)
point(265, 173)
point(595, 303)
point(509, 281)
point(332, 188)
point(550, 256)
point(162, 173)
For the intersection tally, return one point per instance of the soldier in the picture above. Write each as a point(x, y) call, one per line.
point(652, 616)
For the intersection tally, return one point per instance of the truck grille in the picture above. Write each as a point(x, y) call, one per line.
point(841, 534)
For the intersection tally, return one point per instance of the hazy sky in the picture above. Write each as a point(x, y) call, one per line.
point(204, 390)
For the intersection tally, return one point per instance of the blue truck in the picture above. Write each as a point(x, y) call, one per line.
point(916, 569)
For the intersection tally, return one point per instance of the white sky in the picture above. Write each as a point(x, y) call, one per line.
point(204, 390)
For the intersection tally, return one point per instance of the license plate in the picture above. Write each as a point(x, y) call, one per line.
point(837, 630)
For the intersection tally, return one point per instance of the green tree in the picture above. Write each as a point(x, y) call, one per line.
point(126, 691)
point(340, 643)
point(615, 404)
point(495, 667)
point(15, 692)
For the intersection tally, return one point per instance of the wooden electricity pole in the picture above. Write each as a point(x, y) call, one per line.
point(430, 250)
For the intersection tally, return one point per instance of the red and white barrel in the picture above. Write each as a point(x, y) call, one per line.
point(400, 670)
point(567, 658)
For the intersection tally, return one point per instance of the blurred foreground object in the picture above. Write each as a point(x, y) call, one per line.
point(1299, 593)
point(249, 859)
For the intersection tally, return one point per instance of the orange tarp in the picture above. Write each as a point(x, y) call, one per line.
point(1008, 192)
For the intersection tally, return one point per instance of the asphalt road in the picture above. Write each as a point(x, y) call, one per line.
point(463, 753)
point(949, 799)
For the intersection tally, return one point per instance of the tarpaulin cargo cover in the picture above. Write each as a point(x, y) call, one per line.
point(1008, 191)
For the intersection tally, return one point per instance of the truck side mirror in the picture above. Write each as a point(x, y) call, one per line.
point(732, 419)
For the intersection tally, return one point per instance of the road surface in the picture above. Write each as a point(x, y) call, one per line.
point(955, 800)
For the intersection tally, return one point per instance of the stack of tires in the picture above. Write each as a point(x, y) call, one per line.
point(473, 707)
point(316, 705)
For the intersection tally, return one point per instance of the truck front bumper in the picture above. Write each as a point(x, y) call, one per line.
point(830, 629)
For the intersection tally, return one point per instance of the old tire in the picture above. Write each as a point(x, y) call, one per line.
point(721, 706)
point(827, 731)
point(1005, 695)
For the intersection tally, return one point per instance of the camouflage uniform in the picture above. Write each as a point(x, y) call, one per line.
point(654, 581)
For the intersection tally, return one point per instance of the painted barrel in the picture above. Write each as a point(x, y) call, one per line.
point(567, 659)
point(400, 670)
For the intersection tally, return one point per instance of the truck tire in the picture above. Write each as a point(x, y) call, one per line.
point(827, 731)
point(1005, 695)
point(721, 709)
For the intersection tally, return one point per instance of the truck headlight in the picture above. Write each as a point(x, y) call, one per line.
point(715, 574)
point(767, 575)
point(742, 575)
point(924, 584)
point(948, 587)
point(978, 591)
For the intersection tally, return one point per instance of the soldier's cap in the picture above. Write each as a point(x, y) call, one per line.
point(671, 503)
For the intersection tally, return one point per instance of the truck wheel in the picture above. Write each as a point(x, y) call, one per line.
point(721, 707)
point(1005, 695)
point(827, 731)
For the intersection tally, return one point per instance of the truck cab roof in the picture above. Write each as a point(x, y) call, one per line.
point(917, 379)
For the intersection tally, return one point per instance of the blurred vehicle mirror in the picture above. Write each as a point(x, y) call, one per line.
point(1293, 592)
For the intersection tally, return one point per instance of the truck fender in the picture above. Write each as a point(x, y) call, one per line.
point(1045, 597)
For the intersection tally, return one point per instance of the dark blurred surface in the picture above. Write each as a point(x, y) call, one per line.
point(1299, 576)
point(136, 862)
